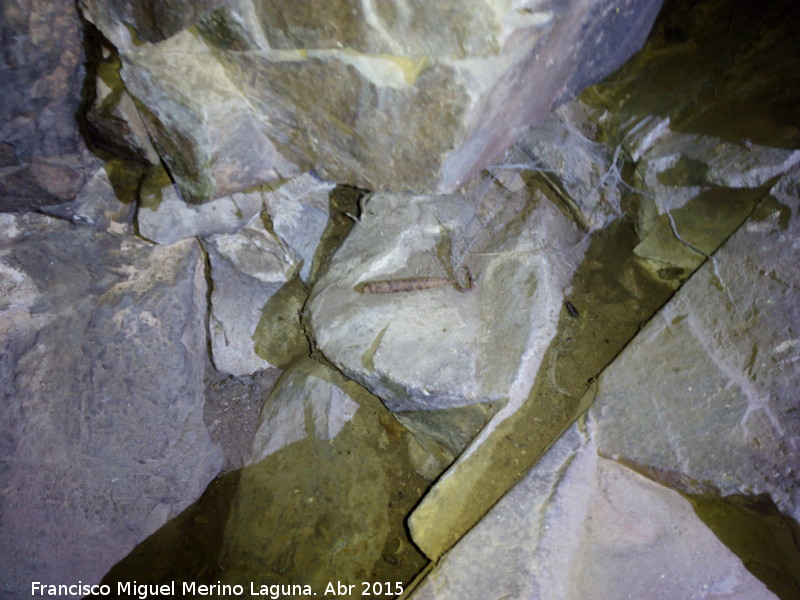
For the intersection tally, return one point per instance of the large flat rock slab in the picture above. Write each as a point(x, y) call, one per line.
point(685, 468)
point(103, 354)
point(711, 381)
point(583, 526)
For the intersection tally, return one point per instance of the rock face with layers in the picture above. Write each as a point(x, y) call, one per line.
point(103, 356)
point(390, 95)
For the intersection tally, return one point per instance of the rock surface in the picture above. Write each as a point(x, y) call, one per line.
point(250, 267)
point(716, 418)
point(582, 526)
point(258, 271)
point(300, 211)
point(466, 346)
point(102, 367)
point(43, 158)
point(670, 242)
point(164, 217)
point(584, 174)
point(327, 486)
point(720, 412)
point(266, 90)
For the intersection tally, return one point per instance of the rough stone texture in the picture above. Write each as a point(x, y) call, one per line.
point(724, 112)
point(325, 408)
point(703, 401)
point(164, 217)
point(247, 268)
point(43, 159)
point(746, 111)
point(211, 137)
point(106, 203)
point(112, 119)
point(153, 20)
point(435, 92)
point(299, 211)
point(720, 411)
point(258, 270)
point(439, 348)
point(326, 489)
point(102, 379)
point(583, 526)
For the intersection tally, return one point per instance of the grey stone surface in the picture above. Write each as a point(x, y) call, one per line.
point(247, 269)
point(299, 211)
point(306, 403)
point(564, 152)
point(582, 526)
point(331, 464)
point(43, 158)
point(720, 409)
point(112, 119)
point(98, 205)
point(165, 217)
point(269, 89)
point(210, 135)
point(441, 347)
point(152, 20)
point(102, 379)
point(703, 401)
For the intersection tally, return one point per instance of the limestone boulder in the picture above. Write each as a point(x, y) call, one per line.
point(719, 414)
point(164, 217)
point(684, 469)
point(106, 203)
point(210, 135)
point(103, 353)
point(476, 286)
point(300, 213)
point(476, 297)
point(325, 490)
point(396, 96)
point(153, 20)
point(258, 270)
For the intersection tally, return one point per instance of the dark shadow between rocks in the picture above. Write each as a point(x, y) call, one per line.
point(186, 548)
point(752, 527)
point(738, 59)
